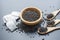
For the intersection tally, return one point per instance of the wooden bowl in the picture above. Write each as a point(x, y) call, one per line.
point(31, 9)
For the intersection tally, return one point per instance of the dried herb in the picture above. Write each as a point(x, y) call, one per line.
point(50, 16)
point(30, 16)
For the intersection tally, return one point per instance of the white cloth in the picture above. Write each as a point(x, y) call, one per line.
point(10, 20)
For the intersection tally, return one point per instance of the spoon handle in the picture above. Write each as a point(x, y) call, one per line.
point(52, 28)
point(57, 21)
point(55, 12)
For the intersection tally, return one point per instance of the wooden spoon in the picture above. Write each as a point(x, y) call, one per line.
point(49, 29)
point(53, 23)
point(54, 13)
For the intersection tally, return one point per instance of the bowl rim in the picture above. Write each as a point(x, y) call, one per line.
point(30, 21)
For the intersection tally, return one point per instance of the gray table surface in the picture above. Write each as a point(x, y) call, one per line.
point(47, 6)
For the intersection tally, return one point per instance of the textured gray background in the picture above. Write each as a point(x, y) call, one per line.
point(7, 6)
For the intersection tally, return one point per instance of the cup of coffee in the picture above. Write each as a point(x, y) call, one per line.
point(31, 15)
